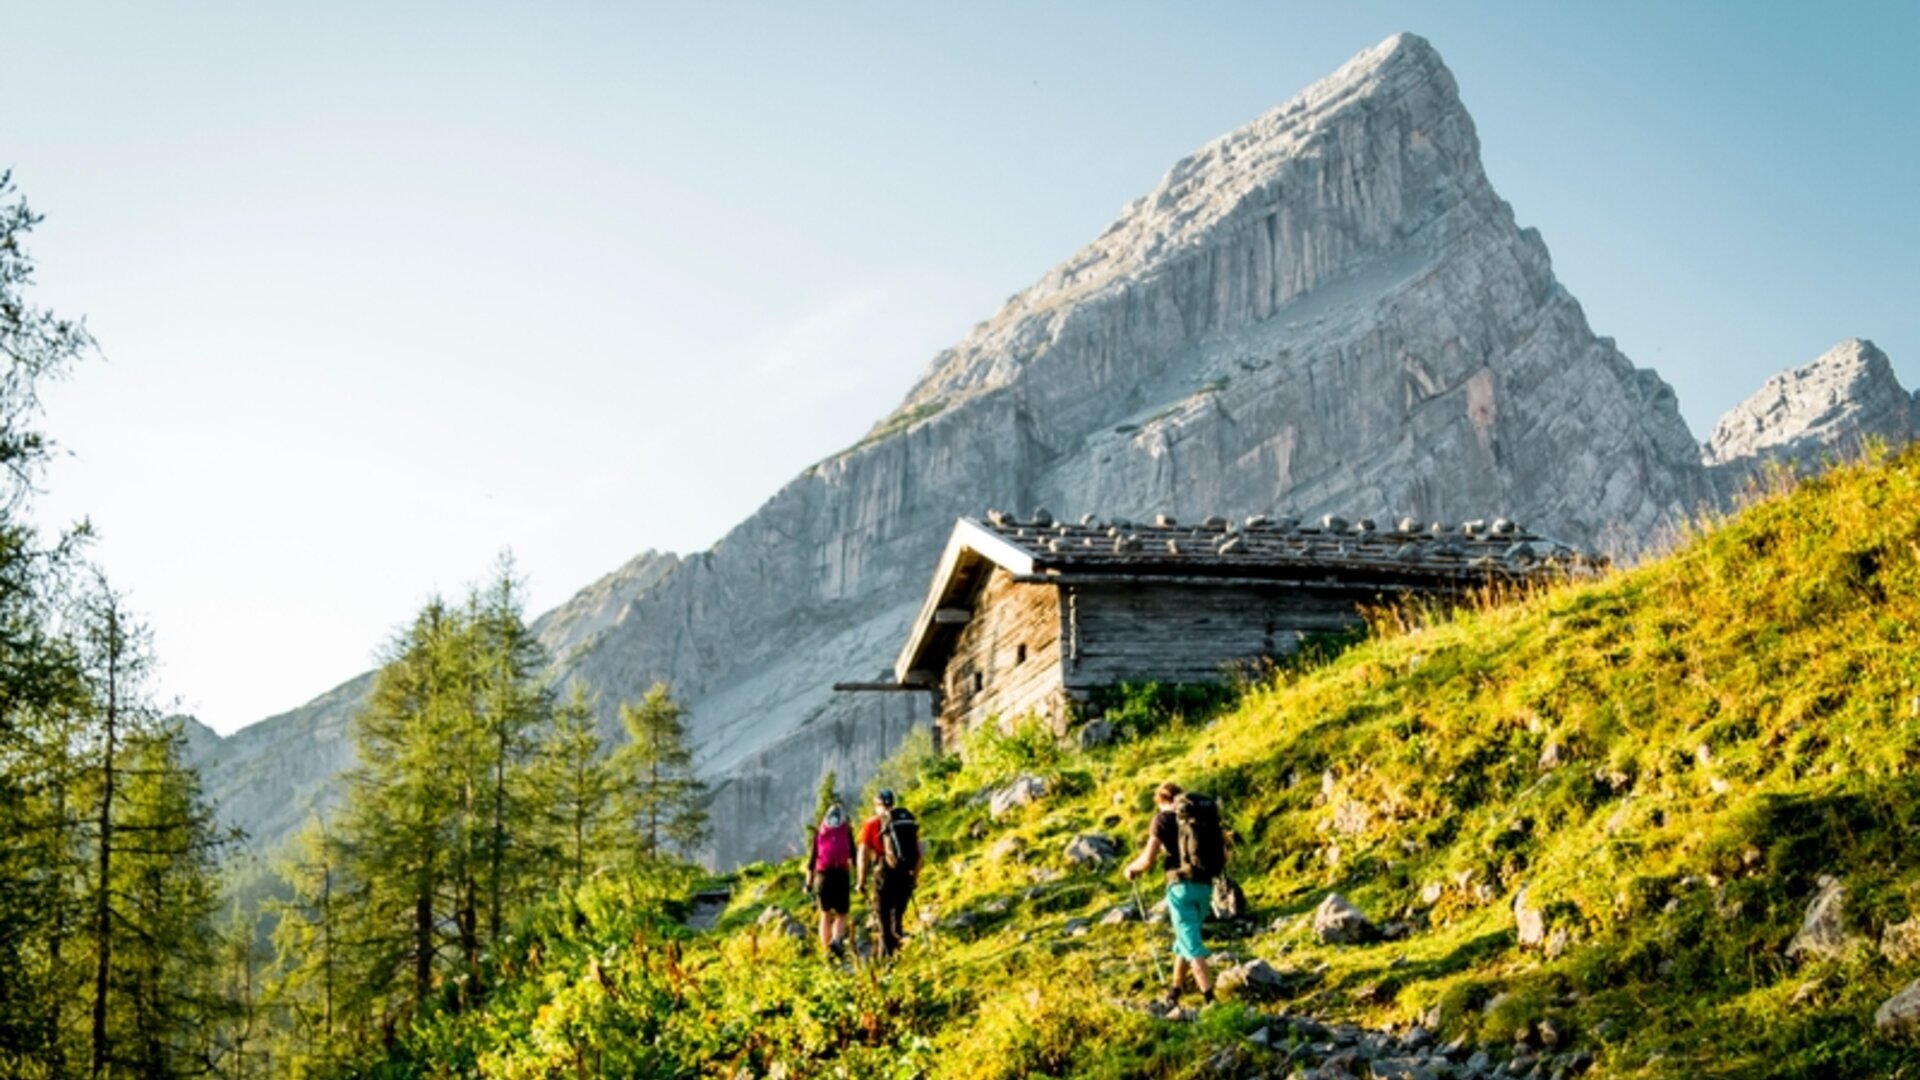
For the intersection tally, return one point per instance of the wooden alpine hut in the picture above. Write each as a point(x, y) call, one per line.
point(1030, 616)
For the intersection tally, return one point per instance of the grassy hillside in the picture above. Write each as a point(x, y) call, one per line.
point(1666, 761)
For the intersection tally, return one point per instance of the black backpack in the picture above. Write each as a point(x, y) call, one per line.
point(900, 842)
point(1203, 844)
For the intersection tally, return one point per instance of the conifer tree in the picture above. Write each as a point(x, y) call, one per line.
point(165, 1001)
point(514, 703)
point(572, 788)
point(304, 992)
point(829, 794)
point(107, 851)
point(665, 803)
point(40, 690)
point(398, 835)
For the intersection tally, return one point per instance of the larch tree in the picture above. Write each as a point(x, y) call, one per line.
point(41, 693)
point(665, 802)
point(572, 788)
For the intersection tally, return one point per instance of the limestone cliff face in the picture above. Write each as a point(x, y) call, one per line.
point(1329, 309)
point(1832, 406)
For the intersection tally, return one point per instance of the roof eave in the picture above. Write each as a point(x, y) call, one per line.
point(969, 537)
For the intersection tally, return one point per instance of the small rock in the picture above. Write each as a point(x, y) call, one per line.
point(1552, 756)
point(1253, 979)
point(1024, 789)
point(1351, 817)
point(1096, 733)
point(1115, 916)
point(1263, 1037)
point(1548, 1033)
point(1900, 942)
point(1337, 922)
point(1229, 902)
point(1478, 1063)
point(1898, 1017)
point(1557, 943)
point(1417, 1038)
point(1823, 931)
point(1401, 1068)
point(1431, 892)
point(1077, 927)
point(1007, 847)
point(1530, 922)
point(998, 906)
point(777, 920)
point(977, 830)
point(1091, 849)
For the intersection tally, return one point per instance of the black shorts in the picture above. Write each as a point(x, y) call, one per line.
point(834, 890)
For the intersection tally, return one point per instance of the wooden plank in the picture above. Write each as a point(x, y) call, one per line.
point(1005, 660)
point(1168, 631)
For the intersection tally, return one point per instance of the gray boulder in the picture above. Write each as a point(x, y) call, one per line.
point(1254, 979)
point(777, 920)
point(1024, 790)
point(1337, 922)
point(1229, 901)
point(1823, 930)
point(1096, 733)
point(1898, 1017)
point(1122, 913)
point(1092, 850)
point(1402, 1068)
point(1900, 942)
point(1007, 847)
point(1530, 923)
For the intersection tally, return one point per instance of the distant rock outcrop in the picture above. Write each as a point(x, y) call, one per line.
point(1829, 407)
point(1327, 310)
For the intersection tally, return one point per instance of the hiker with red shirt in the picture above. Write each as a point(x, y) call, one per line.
point(829, 874)
point(890, 849)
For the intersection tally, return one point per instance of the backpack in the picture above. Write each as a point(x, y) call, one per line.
point(833, 847)
point(900, 841)
point(1203, 844)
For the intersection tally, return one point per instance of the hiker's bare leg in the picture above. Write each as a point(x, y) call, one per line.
point(826, 931)
point(1202, 976)
point(1179, 975)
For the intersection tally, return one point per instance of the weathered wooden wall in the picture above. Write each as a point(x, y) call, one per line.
point(986, 675)
point(1171, 632)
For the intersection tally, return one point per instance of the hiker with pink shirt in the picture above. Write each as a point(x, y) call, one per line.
point(829, 877)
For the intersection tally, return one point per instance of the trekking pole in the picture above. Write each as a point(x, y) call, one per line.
point(1152, 951)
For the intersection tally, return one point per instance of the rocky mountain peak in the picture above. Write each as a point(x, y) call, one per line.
point(1848, 394)
point(1367, 159)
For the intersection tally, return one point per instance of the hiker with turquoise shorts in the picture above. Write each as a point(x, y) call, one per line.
point(1186, 831)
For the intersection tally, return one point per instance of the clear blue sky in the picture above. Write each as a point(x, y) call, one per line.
point(385, 289)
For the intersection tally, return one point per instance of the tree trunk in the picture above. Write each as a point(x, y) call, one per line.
point(499, 834)
point(102, 906)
